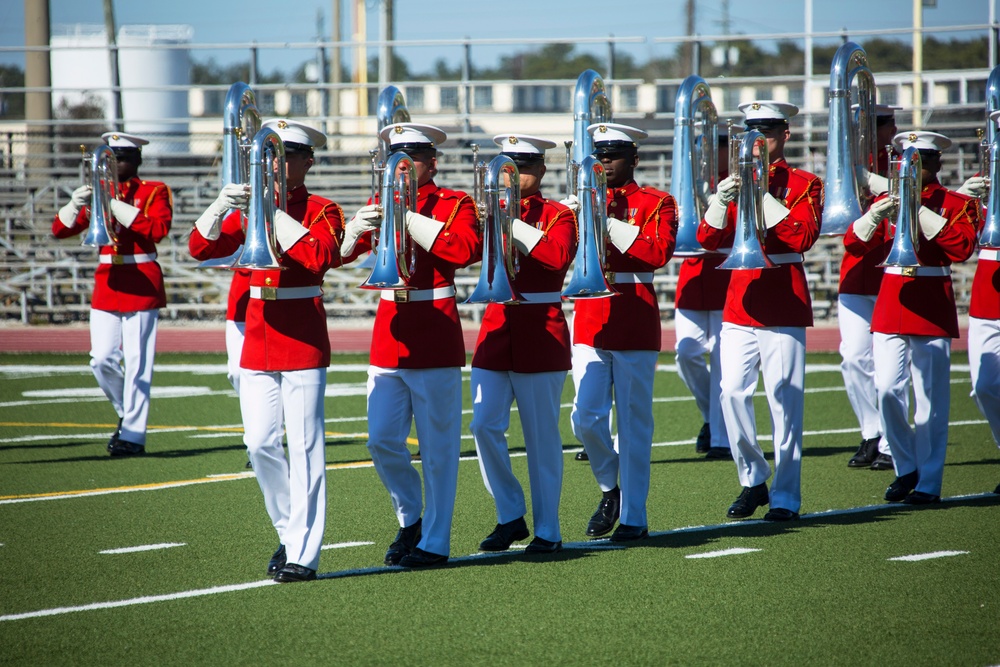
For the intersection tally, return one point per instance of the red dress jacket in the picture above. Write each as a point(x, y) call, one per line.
point(224, 246)
point(631, 320)
point(779, 296)
point(923, 305)
point(427, 334)
point(861, 274)
point(291, 334)
point(533, 337)
point(985, 303)
point(125, 288)
point(700, 283)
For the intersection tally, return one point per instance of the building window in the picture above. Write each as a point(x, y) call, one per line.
point(483, 98)
point(298, 105)
point(796, 96)
point(887, 95)
point(730, 98)
point(763, 93)
point(666, 98)
point(415, 98)
point(214, 101)
point(265, 103)
point(541, 99)
point(628, 98)
point(975, 92)
point(449, 98)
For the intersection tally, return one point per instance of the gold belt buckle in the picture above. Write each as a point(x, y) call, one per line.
point(117, 260)
point(909, 271)
point(269, 293)
point(401, 296)
point(610, 277)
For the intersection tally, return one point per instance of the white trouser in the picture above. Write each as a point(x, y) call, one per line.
point(294, 489)
point(697, 335)
point(779, 355)
point(854, 313)
point(132, 337)
point(234, 351)
point(431, 397)
point(625, 376)
point(984, 364)
point(537, 396)
point(926, 361)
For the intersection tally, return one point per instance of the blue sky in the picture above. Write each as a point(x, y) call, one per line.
point(240, 22)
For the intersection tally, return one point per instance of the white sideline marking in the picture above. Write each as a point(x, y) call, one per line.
point(168, 391)
point(142, 600)
point(145, 547)
point(344, 545)
point(929, 556)
point(723, 552)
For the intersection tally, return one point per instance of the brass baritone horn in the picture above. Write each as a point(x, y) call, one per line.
point(588, 279)
point(240, 124)
point(748, 242)
point(260, 249)
point(104, 182)
point(694, 162)
point(503, 205)
point(395, 252)
point(906, 240)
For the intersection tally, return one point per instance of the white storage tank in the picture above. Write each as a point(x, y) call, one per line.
point(154, 67)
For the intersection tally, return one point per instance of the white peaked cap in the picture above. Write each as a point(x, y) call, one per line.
point(615, 132)
point(921, 140)
point(768, 110)
point(122, 140)
point(522, 143)
point(413, 133)
point(295, 132)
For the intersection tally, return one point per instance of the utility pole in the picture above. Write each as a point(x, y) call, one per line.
point(38, 79)
point(687, 54)
point(387, 32)
point(918, 63)
point(361, 57)
point(335, 69)
point(116, 84)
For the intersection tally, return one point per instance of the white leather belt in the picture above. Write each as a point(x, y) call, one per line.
point(626, 277)
point(990, 253)
point(911, 271)
point(541, 297)
point(284, 293)
point(139, 258)
point(786, 257)
point(407, 295)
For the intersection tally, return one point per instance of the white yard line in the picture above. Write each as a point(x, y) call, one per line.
point(345, 545)
point(723, 552)
point(928, 556)
point(145, 547)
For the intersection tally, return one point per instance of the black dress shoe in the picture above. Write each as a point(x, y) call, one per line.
point(606, 515)
point(421, 558)
point(114, 436)
point(882, 462)
point(542, 546)
point(624, 533)
point(406, 541)
point(866, 453)
point(748, 501)
point(997, 490)
point(921, 498)
point(504, 535)
point(901, 487)
point(582, 456)
point(126, 448)
point(277, 561)
point(719, 453)
point(293, 572)
point(780, 514)
point(704, 441)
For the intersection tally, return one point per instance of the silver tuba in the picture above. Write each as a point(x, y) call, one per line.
point(990, 236)
point(395, 252)
point(694, 162)
point(748, 243)
point(104, 182)
point(588, 279)
point(590, 105)
point(260, 249)
point(851, 150)
point(503, 205)
point(240, 124)
point(905, 186)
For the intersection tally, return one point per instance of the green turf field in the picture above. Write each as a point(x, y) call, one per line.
point(821, 591)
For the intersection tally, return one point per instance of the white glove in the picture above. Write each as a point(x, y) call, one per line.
point(79, 199)
point(525, 236)
point(622, 234)
point(572, 203)
point(232, 196)
point(729, 190)
point(287, 230)
point(424, 230)
point(975, 186)
point(865, 226)
point(366, 219)
point(877, 184)
point(930, 222)
point(124, 213)
point(715, 214)
point(774, 211)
